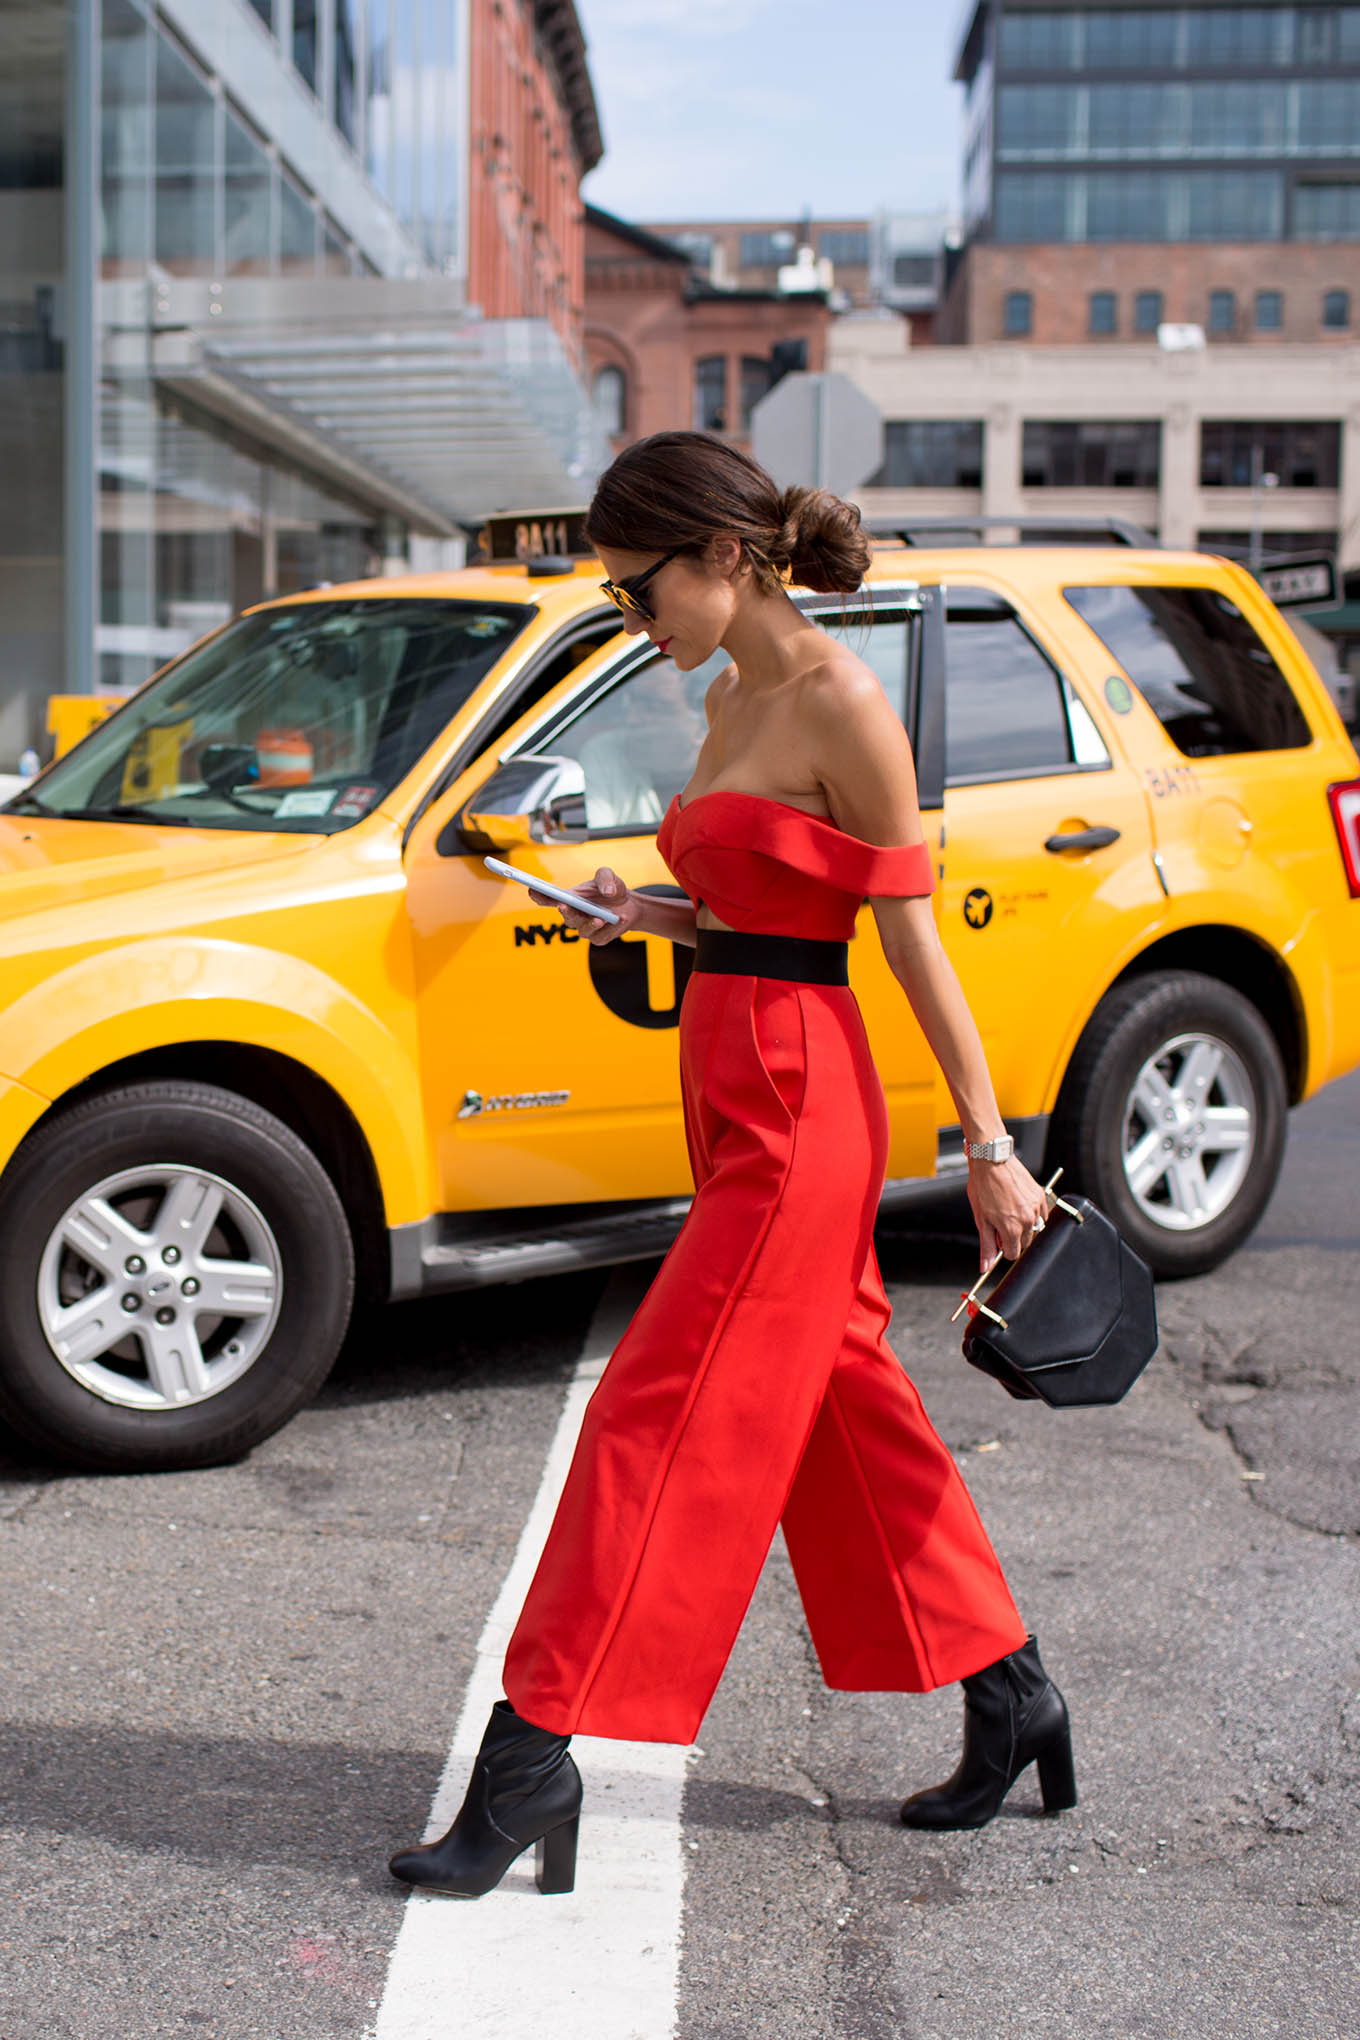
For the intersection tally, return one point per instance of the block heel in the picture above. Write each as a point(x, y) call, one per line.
point(1057, 1774)
point(525, 1792)
point(1013, 1716)
point(555, 1858)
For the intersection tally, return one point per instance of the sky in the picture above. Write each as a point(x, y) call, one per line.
point(736, 109)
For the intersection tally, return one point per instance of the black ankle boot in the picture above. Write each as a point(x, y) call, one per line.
point(524, 1789)
point(1013, 1715)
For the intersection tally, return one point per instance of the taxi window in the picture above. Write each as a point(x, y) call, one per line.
point(1009, 714)
point(298, 718)
point(1199, 665)
point(636, 743)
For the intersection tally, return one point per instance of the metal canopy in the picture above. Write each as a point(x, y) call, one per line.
point(390, 387)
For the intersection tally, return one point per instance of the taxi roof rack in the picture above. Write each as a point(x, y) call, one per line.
point(1082, 530)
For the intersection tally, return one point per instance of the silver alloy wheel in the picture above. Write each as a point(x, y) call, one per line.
point(160, 1286)
point(1189, 1131)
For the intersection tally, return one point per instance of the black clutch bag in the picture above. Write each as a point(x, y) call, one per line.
point(1073, 1321)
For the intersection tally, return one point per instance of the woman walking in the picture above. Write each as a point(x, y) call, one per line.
point(755, 1386)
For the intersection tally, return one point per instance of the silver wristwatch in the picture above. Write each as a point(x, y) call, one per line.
point(999, 1150)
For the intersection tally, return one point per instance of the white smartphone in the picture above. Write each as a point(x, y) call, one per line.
point(552, 892)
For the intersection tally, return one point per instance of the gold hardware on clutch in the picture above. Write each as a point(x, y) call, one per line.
point(1061, 1203)
point(975, 1300)
point(972, 1300)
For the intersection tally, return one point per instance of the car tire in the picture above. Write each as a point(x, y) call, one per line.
point(206, 1198)
point(1185, 1186)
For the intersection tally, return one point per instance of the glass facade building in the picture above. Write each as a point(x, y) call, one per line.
point(224, 225)
point(1170, 123)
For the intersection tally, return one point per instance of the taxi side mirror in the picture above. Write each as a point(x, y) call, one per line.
point(531, 799)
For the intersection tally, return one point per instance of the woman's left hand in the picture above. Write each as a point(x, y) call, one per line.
point(1009, 1206)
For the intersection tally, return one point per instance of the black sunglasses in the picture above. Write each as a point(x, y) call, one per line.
point(627, 595)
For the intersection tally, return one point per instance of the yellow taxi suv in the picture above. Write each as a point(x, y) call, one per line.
point(273, 1038)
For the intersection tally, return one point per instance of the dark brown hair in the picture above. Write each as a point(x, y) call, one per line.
point(684, 488)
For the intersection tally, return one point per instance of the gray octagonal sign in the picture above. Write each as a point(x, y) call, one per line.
point(820, 430)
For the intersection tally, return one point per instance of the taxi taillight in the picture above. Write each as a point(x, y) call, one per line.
point(1345, 805)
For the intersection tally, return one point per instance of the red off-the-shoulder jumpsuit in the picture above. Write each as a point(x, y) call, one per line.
point(756, 1385)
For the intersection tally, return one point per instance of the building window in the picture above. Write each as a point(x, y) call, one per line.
point(1130, 42)
point(1302, 455)
point(1172, 38)
point(378, 124)
point(1234, 205)
point(1040, 120)
point(1034, 206)
point(1147, 311)
point(1018, 314)
point(767, 250)
point(265, 10)
point(346, 45)
point(609, 391)
point(710, 393)
point(1102, 314)
point(1329, 117)
point(1237, 38)
point(1317, 35)
point(931, 453)
point(248, 201)
point(1135, 120)
point(914, 272)
point(1222, 311)
point(1130, 205)
point(1040, 42)
point(847, 246)
point(757, 379)
point(1327, 212)
point(1336, 309)
point(297, 231)
point(337, 257)
point(1114, 455)
point(698, 247)
point(186, 166)
point(1269, 311)
point(304, 41)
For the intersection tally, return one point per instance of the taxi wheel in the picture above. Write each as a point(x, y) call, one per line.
point(179, 1276)
point(1172, 1118)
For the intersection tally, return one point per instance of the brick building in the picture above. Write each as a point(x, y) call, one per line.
point(1154, 314)
point(666, 349)
point(534, 133)
point(1267, 294)
point(1128, 165)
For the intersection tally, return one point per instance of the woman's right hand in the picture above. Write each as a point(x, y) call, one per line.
point(606, 889)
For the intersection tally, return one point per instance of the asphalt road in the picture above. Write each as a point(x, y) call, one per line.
point(228, 1694)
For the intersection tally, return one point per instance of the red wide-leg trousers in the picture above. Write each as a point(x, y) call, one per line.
point(755, 1385)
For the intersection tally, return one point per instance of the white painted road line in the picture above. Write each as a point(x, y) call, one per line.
point(603, 1962)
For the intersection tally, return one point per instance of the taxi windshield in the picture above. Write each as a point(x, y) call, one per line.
point(298, 719)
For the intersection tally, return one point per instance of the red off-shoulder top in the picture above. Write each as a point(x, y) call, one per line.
point(763, 866)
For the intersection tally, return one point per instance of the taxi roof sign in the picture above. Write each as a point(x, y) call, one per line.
point(524, 535)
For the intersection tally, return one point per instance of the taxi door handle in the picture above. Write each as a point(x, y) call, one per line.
point(1083, 839)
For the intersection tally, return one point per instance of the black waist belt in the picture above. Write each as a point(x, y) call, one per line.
point(727, 953)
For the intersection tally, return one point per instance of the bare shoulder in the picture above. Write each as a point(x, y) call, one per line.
point(839, 686)
point(717, 688)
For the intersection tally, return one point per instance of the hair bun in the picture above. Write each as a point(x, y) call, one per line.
point(822, 541)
